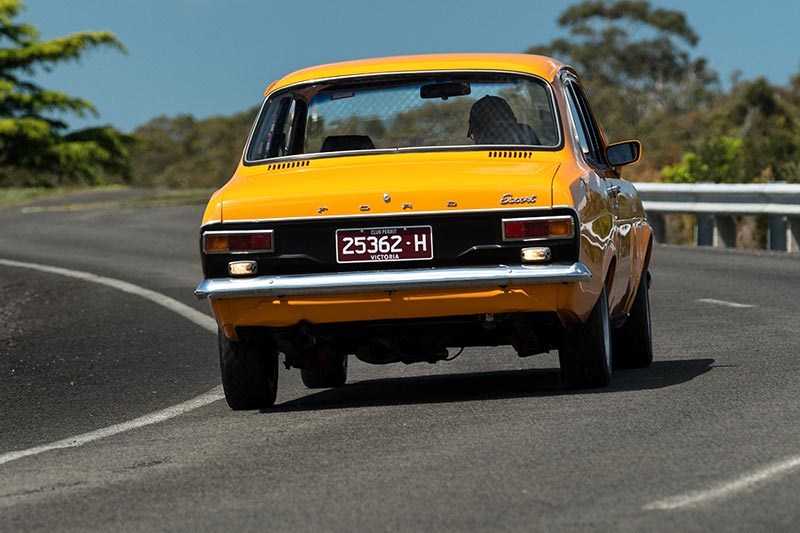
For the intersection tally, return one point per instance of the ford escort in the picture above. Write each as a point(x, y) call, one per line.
point(401, 209)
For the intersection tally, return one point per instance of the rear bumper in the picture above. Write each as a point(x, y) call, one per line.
point(392, 280)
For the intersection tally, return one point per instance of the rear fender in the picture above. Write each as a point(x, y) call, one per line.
point(576, 300)
point(643, 250)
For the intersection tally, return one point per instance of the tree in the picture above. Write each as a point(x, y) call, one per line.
point(719, 160)
point(184, 152)
point(36, 146)
point(637, 66)
point(765, 120)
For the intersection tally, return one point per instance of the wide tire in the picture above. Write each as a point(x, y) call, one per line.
point(585, 350)
point(328, 372)
point(249, 369)
point(633, 341)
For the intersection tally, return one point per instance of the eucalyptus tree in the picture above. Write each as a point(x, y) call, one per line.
point(636, 61)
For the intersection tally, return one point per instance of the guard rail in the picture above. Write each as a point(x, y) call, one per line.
point(716, 206)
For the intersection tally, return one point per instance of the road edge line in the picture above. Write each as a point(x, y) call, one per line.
point(728, 489)
point(193, 315)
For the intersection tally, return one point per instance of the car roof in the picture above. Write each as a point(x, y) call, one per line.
point(542, 66)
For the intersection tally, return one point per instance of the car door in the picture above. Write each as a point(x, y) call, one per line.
point(612, 188)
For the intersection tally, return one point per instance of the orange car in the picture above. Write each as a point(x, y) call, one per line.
point(397, 209)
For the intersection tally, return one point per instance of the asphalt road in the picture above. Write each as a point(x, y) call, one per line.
point(486, 442)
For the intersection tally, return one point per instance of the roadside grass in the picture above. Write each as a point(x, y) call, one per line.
point(172, 198)
point(19, 197)
point(15, 196)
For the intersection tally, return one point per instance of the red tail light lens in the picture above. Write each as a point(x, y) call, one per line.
point(241, 242)
point(530, 229)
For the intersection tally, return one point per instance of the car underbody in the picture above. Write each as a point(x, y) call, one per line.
point(413, 341)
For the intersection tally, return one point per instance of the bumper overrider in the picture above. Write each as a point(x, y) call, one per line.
point(392, 280)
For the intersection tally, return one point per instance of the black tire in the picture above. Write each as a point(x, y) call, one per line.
point(585, 350)
point(633, 341)
point(328, 372)
point(249, 369)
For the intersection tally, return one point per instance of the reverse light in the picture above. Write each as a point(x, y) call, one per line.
point(532, 229)
point(238, 242)
point(242, 268)
point(536, 255)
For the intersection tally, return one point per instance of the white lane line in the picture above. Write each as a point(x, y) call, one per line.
point(724, 303)
point(175, 306)
point(728, 489)
point(201, 319)
point(153, 418)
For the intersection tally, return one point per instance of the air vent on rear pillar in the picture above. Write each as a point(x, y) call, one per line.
point(511, 154)
point(288, 165)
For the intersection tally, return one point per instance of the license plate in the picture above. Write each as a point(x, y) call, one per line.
point(369, 245)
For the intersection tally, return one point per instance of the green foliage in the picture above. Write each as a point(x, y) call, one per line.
point(184, 152)
point(36, 148)
point(719, 160)
point(766, 119)
point(634, 59)
point(636, 62)
point(762, 120)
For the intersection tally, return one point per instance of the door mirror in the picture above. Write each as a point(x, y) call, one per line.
point(623, 153)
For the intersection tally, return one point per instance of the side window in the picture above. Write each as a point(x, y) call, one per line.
point(274, 131)
point(284, 138)
point(588, 135)
point(265, 131)
point(580, 126)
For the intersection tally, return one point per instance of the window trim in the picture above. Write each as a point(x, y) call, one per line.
point(574, 88)
point(559, 130)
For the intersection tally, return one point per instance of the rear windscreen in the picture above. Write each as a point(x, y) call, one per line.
point(406, 113)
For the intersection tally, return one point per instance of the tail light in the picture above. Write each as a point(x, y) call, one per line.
point(533, 229)
point(238, 242)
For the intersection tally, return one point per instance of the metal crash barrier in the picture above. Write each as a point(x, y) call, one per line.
point(715, 206)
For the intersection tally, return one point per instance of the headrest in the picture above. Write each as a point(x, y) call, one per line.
point(341, 143)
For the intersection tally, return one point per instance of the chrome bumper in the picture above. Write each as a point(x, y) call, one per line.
point(392, 280)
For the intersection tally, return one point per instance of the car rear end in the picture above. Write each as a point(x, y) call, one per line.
point(366, 219)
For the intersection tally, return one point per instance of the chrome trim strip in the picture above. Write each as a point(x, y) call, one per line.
point(402, 73)
point(398, 213)
point(311, 156)
point(392, 280)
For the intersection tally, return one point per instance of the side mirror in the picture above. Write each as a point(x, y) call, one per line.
point(623, 153)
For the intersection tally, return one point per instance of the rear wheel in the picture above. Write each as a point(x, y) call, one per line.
point(249, 369)
point(329, 370)
point(633, 342)
point(585, 349)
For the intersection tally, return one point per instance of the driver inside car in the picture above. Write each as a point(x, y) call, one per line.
point(492, 121)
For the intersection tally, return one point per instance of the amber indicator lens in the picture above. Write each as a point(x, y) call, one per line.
point(562, 228)
point(216, 243)
point(238, 242)
point(538, 228)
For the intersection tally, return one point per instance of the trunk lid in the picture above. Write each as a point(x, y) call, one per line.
point(400, 183)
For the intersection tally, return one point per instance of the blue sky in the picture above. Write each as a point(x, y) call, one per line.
point(208, 57)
